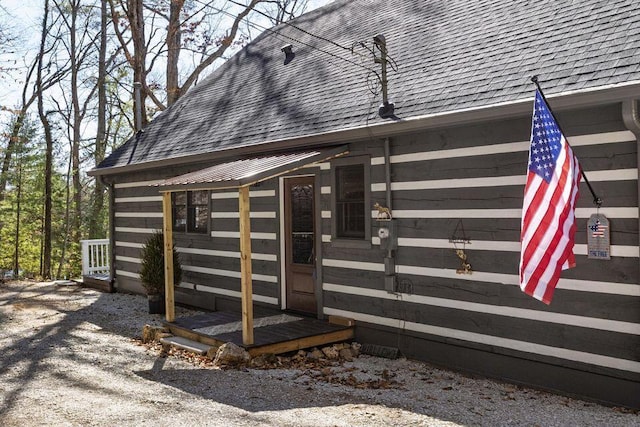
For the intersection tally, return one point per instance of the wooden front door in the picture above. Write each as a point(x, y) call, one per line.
point(299, 235)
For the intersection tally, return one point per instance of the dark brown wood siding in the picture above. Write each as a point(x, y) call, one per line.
point(211, 262)
point(481, 323)
point(475, 174)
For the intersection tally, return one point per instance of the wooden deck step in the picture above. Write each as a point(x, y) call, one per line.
point(101, 282)
point(273, 333)
point(186, 344)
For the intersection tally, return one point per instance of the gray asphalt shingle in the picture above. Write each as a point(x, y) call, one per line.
point(451, 54)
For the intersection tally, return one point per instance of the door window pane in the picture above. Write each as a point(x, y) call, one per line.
point(302, 230)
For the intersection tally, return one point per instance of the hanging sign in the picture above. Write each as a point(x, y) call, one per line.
point(598, 240)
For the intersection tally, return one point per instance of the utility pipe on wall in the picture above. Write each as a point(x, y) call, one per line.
point(387, 171)
point(391, 281)
point(112, 229)
point(632, 122)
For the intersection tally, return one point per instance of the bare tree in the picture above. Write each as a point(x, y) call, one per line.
point(78, 40)
point(174, 43)
point(223, 45)
point(29, 96)
point(197, 19)
point(7, 41)
point(279, 11)
point(46, 245)
point(97, 202)
point(128, 16)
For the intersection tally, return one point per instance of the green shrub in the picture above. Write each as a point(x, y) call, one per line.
point(152, 269)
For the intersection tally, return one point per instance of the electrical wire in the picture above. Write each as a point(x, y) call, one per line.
point(289, 24)
point(289, 38)
point(364, 44)
point(373, 88)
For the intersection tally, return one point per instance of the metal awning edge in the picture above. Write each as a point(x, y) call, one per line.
point(323, 154)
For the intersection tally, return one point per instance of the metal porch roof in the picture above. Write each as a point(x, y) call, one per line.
point(244, 172)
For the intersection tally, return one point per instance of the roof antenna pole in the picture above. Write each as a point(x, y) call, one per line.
point(386, 109)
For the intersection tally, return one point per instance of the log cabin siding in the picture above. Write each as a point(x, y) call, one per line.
point(211, 262)
point(476, 174)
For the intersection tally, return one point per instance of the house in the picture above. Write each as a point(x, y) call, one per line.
point(301, 133)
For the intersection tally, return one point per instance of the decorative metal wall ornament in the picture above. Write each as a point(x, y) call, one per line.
point(466, 267)
point(463, 240)
point(383, 212)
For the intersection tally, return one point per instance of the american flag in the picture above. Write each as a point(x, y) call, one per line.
point(548, 211)
point(597, 229)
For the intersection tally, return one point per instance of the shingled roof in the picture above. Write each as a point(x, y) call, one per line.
point(451, 55)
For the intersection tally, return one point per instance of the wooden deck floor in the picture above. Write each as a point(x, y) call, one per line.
point(275, 333)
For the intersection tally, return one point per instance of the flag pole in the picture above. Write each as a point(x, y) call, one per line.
point(596, 200)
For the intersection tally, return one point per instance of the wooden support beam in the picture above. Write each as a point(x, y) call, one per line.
point(302, 343)
point(245, 267)
point(167, 225)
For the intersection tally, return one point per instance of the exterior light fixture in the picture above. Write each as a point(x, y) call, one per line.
point(288, 53)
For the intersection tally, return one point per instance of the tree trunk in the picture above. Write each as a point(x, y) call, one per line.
point(48, 165)
point(76, 125)
point(8, 153)
point(95, 225)
point(16, 253)
point(173, 51)
point(136, 20)
point(67, 225)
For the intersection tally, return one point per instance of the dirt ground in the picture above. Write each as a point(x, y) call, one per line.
point(72, 356)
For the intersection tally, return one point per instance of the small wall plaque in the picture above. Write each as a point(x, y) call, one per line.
point(598, 240)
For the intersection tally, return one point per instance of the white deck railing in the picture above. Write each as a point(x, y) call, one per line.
point(95, 257)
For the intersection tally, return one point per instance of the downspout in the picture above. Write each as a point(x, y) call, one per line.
point(632, 122)
point(391, 279)
point(112, 229)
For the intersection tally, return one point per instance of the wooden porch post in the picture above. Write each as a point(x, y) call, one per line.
point(167, 225)
point(245, 267)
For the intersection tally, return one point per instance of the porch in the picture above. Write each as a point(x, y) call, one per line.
point(274, 332)
point(241, 175)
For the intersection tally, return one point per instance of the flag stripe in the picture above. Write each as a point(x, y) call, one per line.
point(548, 210)
point(551, 251)
point(545, 198)
point(541, 238)
point(551, 238)
point(564, 241)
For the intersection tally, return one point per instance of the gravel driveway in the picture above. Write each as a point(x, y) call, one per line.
point(71, 356)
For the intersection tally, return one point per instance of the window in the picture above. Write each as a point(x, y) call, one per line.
point(351, 219)
point(190, 211)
